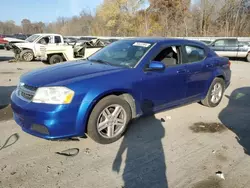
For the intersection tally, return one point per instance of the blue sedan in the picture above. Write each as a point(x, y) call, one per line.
point(127, 79)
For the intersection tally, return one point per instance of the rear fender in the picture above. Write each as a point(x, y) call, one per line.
point(217, 73)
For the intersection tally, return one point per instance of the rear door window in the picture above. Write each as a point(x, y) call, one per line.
point(232, 43)
point(58, 39)
point(194, 54)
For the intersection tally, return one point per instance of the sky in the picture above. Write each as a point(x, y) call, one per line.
point(43, 10)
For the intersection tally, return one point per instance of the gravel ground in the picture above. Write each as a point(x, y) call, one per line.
point(179, 148)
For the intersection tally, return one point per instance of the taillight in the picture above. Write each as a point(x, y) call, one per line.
point(2, 41)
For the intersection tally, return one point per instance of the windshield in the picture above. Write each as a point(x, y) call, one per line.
point(32, 38)
point(123, 53)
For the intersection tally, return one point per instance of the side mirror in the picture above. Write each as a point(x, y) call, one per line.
point(155, 66)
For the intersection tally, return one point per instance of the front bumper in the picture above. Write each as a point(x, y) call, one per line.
point(45, 120)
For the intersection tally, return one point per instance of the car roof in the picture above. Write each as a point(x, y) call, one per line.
point(44, 34)
point(164, 40)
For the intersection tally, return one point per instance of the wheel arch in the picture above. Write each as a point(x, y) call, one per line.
point(27, 49)
point(221, 76)
point(125, 94)
point(217, 74)
point(22, 49)
point(61, 54)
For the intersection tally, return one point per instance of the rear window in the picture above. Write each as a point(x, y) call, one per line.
point(194, 54)
point(58, 39)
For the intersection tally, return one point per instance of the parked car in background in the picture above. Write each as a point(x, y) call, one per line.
point(60, 53)
point(108, 41)
point(87, 38)
point(20, 36)
point(82, 40)
point(207, 42)
point(231, 47)
point(13, 39)
point(126, 79)
point(69, 40)
point(3, 41)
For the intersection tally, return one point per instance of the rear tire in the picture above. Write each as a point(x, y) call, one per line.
point(55, 59)
point(248, 57)
point(116, 123)
point(215, 93)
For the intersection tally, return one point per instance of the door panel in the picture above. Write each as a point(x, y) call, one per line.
point(231, 47)
point(164, 88)
point(198, 75)
point(219, 47)
point(198, 71)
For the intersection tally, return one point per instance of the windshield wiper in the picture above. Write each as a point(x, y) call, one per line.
point(99, 61)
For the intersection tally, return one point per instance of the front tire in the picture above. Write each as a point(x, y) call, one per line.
point(27, 55)
point(7, 48)
point(215, 93)
point(55, 59)
point(109, 119)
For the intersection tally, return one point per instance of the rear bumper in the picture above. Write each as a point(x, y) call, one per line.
point(228, 78)
point(44, 120)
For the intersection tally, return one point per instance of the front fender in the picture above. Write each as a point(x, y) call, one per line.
point(90, 100)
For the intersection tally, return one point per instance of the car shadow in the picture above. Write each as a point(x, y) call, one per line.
point(5, 109)
point(236, 116)
point(238, 59)
point(5, 92)
point(3, 58)
point(144, 159)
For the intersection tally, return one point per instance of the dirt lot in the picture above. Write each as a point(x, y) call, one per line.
point(179, 148)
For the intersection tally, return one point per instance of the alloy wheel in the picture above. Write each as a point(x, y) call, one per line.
point(28, 56)
point(216, 93)
point(112, 121)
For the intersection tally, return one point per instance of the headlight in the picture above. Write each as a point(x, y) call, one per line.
point(53, 95)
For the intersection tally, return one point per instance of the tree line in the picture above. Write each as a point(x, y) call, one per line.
point(172, 18)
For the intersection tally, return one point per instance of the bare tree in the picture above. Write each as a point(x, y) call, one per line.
point(160, 18)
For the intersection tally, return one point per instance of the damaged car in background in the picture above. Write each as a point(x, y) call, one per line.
point(34, 46)
point(14, 39)
point(53, 48)
point(57, 54)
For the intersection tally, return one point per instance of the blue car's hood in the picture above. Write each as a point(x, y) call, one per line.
point(65, 71)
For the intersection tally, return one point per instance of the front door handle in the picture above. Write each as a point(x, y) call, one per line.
point(181, 71)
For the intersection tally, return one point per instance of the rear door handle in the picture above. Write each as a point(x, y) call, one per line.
point(209, 65)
